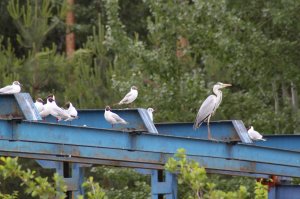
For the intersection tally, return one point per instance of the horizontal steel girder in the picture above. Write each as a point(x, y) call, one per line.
point(143, 150)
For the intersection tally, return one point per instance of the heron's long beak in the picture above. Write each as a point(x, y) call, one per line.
point(226, 85)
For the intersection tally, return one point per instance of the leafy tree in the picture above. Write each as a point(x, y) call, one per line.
point(32, 21)
point(261, 191)
point(35, 185)
point(93, 189)
point(122, 183)
point(190, 173)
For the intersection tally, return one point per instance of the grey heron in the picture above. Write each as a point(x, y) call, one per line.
point(209, 107)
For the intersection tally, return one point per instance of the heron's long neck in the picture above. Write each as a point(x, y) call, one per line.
point(218, 93)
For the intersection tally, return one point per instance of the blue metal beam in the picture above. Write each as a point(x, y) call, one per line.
point(288, 142)
point(18, 106)
point(284, 192)
point(224, 129)
point(138, 119)
point(90, 145)
point(221, 130)
point(62, 134)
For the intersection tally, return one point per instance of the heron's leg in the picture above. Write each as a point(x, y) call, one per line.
point(209, 133)
point(208, 128)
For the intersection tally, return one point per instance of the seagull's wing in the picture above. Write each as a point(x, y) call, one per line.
point(257, 135)
point(207, 108)
point(72, 111)
point(118, 118)
point(39, 106)
point(127, 96)
point(61, 112)
point(6, 89)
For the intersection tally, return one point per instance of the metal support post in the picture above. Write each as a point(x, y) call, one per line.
point(73, 174)
point(163, 184)
point(284, 192)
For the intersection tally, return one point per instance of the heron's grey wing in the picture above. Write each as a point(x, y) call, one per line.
point(205, 110)
point(6, 89)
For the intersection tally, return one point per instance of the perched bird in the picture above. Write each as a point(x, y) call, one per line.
point(39, 104)
point(130, 97)
point(59, 113)
point(254, 135)
point(150, 112)
point(209, 106)
point(71, 110)
point(11, 89)
point(51, 108)
point(47, 108)
point(113, 118)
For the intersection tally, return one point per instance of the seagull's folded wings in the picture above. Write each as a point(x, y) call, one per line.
point(118, 118)
point(6, 89)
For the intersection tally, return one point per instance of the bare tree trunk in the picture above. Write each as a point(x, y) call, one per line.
point(294, 96)
point(70, 36)
point(276, 103)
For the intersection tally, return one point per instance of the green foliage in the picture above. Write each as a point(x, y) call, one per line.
point(93, 190)
point(14, 195)
point(32, 21)
point(261, 191)
point(191, 174)
point(122, 183)
point(35, 186)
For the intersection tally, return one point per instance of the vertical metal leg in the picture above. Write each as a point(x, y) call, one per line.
point(163, 184)
point(284, 192)
point(73, 174)
point(78, 175)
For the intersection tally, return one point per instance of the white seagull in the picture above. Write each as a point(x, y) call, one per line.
point(113, 118)
point(130, 97)
point(254, 135)
point(54, 110)
point(39, 104)
point(71, 111)
point(11, 89)
point(47, 108)
point(150, 112)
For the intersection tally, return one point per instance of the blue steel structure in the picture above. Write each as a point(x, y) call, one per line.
point(70, 146)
